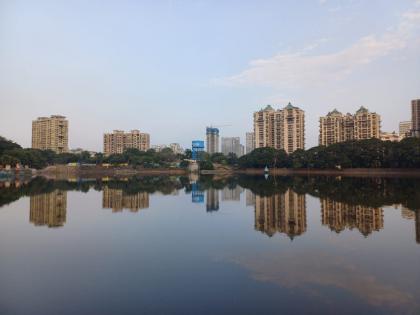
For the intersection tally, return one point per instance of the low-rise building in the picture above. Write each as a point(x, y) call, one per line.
point(390, 136)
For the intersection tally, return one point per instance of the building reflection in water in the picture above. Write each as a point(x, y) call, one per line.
point(282, 213)
point(48, 209)
point(197, 194)
point(117, 200)
point(212, 200)
point(338, 216)
point(412, 215)
point(250, 198)
point(232, 194)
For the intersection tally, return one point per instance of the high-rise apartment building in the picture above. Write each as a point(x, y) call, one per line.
point(367, 125)
point(118, 141)
point(405, 128)
point(280, 129)
point(250, 142)
point(336, 127)
point(212, 137)
point(415, 117)
point(51, 133)
point(232, 145)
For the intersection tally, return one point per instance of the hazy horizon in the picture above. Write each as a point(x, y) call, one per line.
point(171, 68)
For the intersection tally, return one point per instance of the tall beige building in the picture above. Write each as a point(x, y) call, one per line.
point(282, 213)
point(336, 127)
point(51, 133)
point(118, 141)
point(48, 209)
point(405, 128)
point(280, 129)
point(415, 117)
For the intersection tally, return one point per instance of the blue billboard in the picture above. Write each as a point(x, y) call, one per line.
point(197, 149)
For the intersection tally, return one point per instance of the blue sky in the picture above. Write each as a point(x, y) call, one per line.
point(170, 68)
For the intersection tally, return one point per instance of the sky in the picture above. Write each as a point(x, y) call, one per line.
point(171, 68)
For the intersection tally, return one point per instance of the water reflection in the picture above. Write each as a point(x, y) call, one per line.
point(338, 216)
point(279, 202)
point(117, 200)
point(212, 200)
point(281, 213)
point(48, 209)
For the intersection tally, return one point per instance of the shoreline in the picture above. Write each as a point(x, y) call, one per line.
point(65, 171)
point(351, 172)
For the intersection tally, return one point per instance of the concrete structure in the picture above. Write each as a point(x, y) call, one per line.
point(280, 129)
point(405, 128)
point(338, 216)
point(250, 142)
point(415, 118)
point(281, 213)
point(48, 209)
point(232, 145)
point(336, 127)
point(117, 200)
point(212, 137)
point(51, 133)
point(390, 136)
point(118, 141)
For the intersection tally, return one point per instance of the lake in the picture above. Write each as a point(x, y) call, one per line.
point(208, 245)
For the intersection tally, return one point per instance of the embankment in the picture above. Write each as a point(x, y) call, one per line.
point(65, 171)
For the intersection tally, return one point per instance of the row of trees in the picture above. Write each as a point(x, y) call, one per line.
point(372, 153)
point(12, 154)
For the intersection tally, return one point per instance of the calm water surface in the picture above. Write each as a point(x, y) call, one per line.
point(247, 245)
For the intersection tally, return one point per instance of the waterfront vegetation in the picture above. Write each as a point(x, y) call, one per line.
point(372, 153)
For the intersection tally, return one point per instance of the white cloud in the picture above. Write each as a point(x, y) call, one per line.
point(303, 69)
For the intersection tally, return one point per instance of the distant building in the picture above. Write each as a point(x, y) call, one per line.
point(336, 127)
point(158, 147)
point(51, 133)
point(415, 118)
point(48, 209)
point(250, 142)
point(212, 136)
point(118, 141)
point(232, 145)
point(390, 136)
point(405, 128)
point(280, 129)
point(176, 148)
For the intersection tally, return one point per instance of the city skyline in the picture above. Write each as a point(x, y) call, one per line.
point(94, 68)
